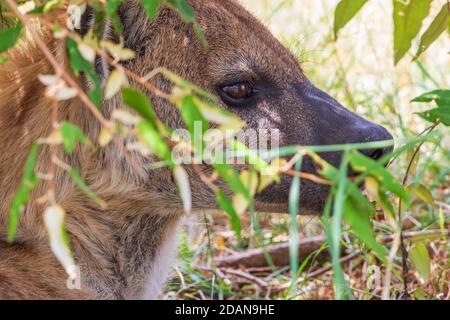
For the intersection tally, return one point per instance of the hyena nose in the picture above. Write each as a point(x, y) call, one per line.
point(373, 133)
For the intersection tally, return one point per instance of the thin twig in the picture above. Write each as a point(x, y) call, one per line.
point(254, 258)
point(308, 176)
point(405, 269)
point(323, 270)
point(144, 82)
point(247, 276)
point(57, 67)
point(103, 54)
point(81, 94)
point(206, 180)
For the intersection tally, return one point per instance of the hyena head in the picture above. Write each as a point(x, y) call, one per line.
point(254, 76)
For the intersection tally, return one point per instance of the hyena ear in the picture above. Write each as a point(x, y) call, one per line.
point(89, 17)
point(134, 25)
point(87, 22)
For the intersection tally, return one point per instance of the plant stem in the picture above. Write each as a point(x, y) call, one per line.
point(405, 269)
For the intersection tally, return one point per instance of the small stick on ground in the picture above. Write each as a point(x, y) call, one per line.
point(255, 258)
point(247, 276)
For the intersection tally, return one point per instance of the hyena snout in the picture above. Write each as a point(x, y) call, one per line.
point(319, 120)
point(373, 133)
point(339, 125)
point(361, 131)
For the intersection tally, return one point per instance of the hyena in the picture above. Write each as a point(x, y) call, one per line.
point(126, 250)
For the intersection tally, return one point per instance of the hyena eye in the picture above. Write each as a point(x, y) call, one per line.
point(237, 92)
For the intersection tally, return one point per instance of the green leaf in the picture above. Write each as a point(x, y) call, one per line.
point(187, 85)
point(341, 287)
point(140, 103)
point(200, 35)
point(46, 7)
point(71, 135)
point(385, 204)
point(218, 115)
point(371, 167)
point(251, 156)
point(225, 205)
point(10, 36)
point(345, 11)
point(420, 258)
point(439, 114)
point(357, 209)
point(112, 7)
point(99, 22)
point(79, 64)
point(332, 174)
point(421, 294)
point(4, 59)
point(372, 187)
point(436, 28)
point(151, 7)
point(232, 178)
point(28, 183)
point(420, 191)
point(78, 180)
point(338, 276)
point(362, 204)
point(362, 228)
point(339, 200)
point(151, 137)
point(408, 18)
point(191, 115)
point(441, 97)
point(196, 124)
point(186, 12)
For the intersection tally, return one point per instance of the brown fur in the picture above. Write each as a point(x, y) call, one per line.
point(123, 251)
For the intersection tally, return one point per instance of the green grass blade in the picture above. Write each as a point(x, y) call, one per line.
point(294, 206)
point(27, 184)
